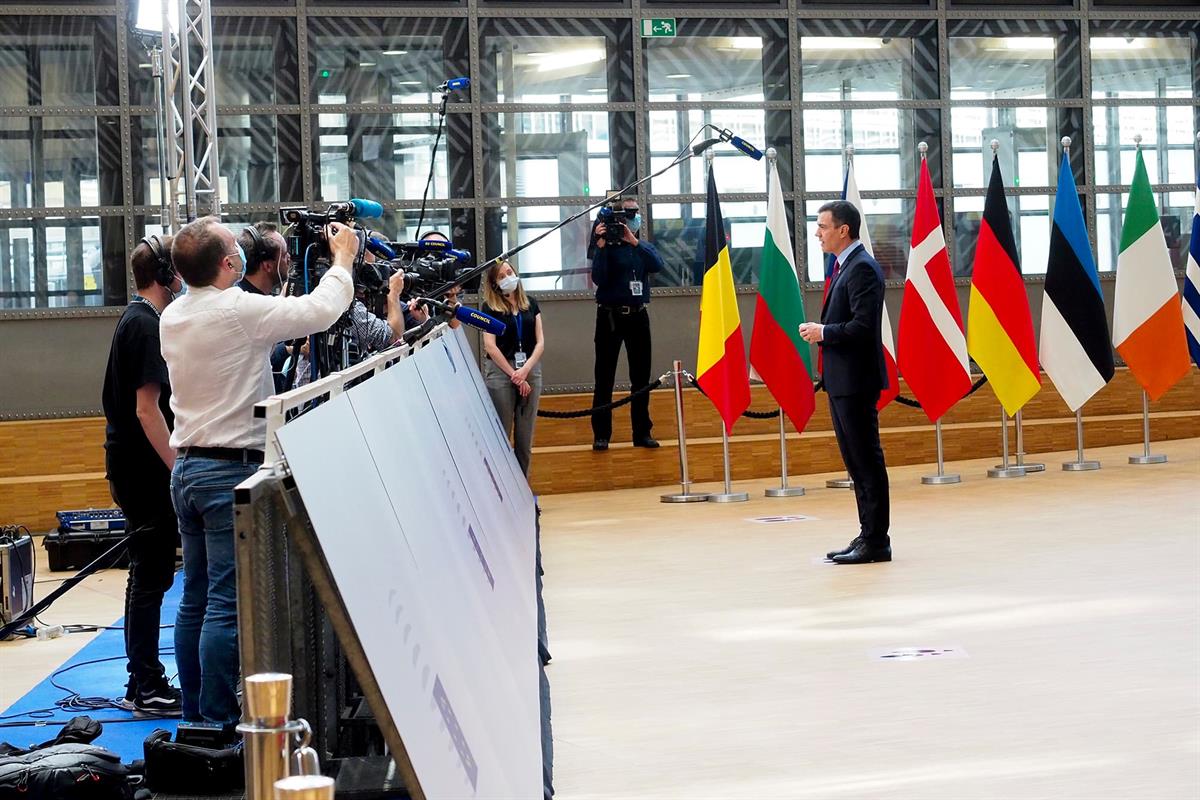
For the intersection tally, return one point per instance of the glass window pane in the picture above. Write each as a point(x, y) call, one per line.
point(719, 61)
point(391, 60)
point(856, 67)
point(255, 61)
point(990, 67)
point(889, 223)
point(550, 153)
point(883, 148)
point(60, 263)
point(250, 160)
point(680, 242)
point(374, 157)
point(78, 154)
point(58, 61)
point(549, 69)
point(1140, 66)
point(557, 262)
point(1023, 150)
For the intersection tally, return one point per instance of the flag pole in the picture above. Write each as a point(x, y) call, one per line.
point(846, 482)
point(686, 495)
point(1004, 470)
point(1146, 457)
point(941, 478)
point(1032, 466)
point(729, 495)
point(783, 490)
point(1079, 465)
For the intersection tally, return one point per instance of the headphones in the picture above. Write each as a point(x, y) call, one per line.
point(164, 270)
point(259, 250)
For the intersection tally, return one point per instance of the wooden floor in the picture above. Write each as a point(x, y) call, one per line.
point(701, 656)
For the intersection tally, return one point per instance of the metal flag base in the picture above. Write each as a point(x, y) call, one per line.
point(783, 490)
point(1080, 466)
point(690, 497)
point(1006, 472)
point(1032, 466)
point(941, 479)
point(1147, 457)
point(839, 483)
point(729, 495)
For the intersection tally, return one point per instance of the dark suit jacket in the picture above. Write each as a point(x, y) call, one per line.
point(852, 345)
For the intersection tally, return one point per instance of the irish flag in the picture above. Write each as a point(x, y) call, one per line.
point(1148, 327)
point(777, 353)
point(721, 355)
point(932, 349)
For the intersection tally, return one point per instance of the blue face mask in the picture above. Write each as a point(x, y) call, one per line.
point(242, 255)
point(635, 224)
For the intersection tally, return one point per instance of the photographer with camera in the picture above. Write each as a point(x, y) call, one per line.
point(216, 343)
point(621, 267)
point(512, 369)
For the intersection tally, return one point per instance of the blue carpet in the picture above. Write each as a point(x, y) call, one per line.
point(105, 679)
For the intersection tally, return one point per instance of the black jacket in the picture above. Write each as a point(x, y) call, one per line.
point(852, 345)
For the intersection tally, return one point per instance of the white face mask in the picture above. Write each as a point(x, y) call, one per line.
point(509, 283)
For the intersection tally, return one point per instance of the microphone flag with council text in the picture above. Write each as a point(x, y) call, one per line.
point(778, 356)
point(1074, 344)
point(721, 353)
point(999, 324)
point(932, 349)
point(1148, 328)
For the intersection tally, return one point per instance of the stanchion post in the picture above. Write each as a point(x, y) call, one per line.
point(1146, 457)
point(267, 732)
point(729, 495)
point(304, 787)
point(1004, 470)
point(941, 478)
point(783, 490)
point(686, 495)
point(1079, 464)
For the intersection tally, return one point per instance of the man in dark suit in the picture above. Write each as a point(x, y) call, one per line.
point(853, 368)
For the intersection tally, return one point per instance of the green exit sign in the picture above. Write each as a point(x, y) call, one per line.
point(658, 27)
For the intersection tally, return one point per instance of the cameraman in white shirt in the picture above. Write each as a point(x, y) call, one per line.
point(217, 341)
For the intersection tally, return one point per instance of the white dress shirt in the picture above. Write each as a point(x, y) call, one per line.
point(217, 345)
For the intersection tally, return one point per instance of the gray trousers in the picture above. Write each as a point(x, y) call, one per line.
point(517, 414)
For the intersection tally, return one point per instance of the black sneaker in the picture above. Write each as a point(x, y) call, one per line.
point(126, 702)
point(159, 697)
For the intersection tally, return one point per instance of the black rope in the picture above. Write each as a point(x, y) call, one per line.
point(587, 412)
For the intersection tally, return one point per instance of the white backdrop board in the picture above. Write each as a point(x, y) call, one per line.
point(427, 528)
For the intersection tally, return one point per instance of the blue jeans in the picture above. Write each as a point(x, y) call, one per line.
point(206, 650)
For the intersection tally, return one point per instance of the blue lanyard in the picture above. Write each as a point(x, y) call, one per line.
point(520, 336)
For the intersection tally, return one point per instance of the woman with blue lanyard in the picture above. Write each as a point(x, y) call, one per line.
point(512, 368)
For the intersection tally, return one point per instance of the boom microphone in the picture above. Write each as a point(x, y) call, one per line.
point(454, 84)
point(366, 209)
point(380, 247)
point(741, 144)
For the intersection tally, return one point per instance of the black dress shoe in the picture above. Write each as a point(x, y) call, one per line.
point(600, 444)
point(646, 441)
point(853, 544)
point(865, 553)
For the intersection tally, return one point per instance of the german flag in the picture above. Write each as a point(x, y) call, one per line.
point(721, 354)
point(999, 326)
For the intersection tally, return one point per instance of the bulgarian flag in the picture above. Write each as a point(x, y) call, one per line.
point(850, 194)
point(1000, 326)
point(779, 357)
point(932, 350)
point(1148, 328)
point(721, 354)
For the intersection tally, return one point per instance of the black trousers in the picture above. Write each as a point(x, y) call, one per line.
point(154, 535)
point(856, 425)
point(612, 330)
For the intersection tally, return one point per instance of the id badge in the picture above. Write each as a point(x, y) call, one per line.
point(518, 360)
point(635, 288)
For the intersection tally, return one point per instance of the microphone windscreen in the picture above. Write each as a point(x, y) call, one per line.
point(480, 320)
point(366, 209)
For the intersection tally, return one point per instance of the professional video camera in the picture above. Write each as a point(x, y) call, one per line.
point(429, 264)
point(613, 218)
point(309, 247)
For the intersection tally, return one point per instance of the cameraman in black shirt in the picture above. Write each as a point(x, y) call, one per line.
point(138, 462)
point(621, 269)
